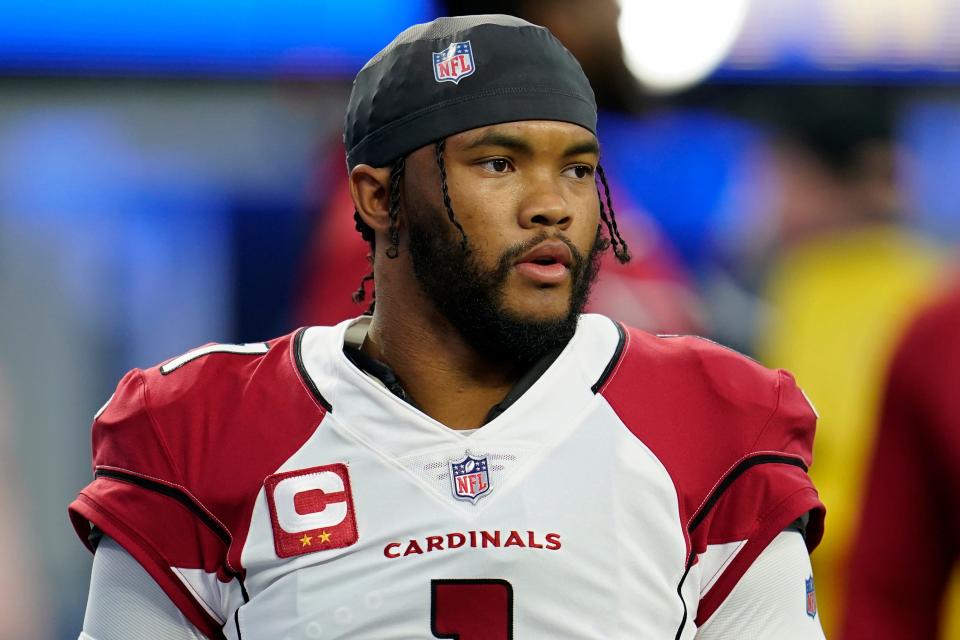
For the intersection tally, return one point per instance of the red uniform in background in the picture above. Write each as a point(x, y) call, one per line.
point(651, 292)
point(908, 539)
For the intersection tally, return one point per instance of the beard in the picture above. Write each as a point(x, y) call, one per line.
point(471, 297)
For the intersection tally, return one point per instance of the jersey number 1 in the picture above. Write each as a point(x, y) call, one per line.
point(471, 609)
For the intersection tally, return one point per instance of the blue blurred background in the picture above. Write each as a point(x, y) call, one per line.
point(170, 175)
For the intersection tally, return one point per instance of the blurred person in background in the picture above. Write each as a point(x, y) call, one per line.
point(24, 615)
point(847, 275)
point(908, 539)
point(654, 291)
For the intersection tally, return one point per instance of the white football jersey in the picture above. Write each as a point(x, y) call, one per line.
point(275, 491)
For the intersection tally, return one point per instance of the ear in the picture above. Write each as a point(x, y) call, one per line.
point(370, 189)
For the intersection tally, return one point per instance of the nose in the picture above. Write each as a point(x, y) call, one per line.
point(543, 205)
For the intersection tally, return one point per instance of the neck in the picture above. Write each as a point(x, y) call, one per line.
point(447, 378)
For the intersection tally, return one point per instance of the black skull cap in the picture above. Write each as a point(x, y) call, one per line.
point(456, 74)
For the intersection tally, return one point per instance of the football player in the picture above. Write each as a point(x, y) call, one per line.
point(475, 458)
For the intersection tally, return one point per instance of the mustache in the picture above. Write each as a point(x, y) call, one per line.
point(508, 257)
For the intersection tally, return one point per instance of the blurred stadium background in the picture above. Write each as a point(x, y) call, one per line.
point(171, 174)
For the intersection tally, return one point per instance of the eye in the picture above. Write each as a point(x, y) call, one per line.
point(578, 171)
point(496, 165)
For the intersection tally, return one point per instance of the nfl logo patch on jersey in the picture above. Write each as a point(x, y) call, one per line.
point(470, 478)
point(811, 598)
point(311, 510)
point(453, 63)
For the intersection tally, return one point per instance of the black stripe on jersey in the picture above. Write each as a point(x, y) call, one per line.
point(683, 620)
point(711, 501)
point(171, 492)
point(617, 354)
point(738, 471)
point(302, 370)
point(180, 496)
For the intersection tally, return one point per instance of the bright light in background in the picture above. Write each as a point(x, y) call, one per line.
point(873, 38)
point(672, 44)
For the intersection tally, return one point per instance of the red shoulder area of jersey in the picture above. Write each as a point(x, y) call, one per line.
point(204, 429)
point(735, 437)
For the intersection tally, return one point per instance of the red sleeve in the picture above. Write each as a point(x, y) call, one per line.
point(180, 454)
point(735, 437)
point(138, 499)
point(764, 492)
point(907, 539)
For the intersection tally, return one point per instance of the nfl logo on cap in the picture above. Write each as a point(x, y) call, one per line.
point(453, 63)
point(469, 478)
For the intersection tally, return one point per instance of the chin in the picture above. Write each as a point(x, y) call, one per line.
point(539, 308)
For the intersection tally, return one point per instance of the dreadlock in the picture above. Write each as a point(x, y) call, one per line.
point(367, 233)
point(609, 218)
point(396, 175)
point(441, 144)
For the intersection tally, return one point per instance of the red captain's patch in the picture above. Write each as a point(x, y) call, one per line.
point(311, 510)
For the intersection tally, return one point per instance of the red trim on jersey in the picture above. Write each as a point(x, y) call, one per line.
point(772, 524)
point(731, 475)
point(85, 510)
point(735, 438)
point(206, 436)
point(299, 415)
point(212, 521)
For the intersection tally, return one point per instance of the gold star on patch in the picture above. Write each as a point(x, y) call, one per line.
point(324, 537)
point(305, 540)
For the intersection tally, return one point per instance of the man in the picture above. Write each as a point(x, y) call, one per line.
point(475, 459)
point(653, 292)
point(906, 546)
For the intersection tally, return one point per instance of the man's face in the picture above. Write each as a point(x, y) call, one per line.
point(525, 195)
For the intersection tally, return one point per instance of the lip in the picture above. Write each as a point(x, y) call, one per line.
point(546, 264)
point(553, 250)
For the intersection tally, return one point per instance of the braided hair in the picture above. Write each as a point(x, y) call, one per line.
point(620, 249)
point(607, 215)
point(441, 145)
point(393, 232)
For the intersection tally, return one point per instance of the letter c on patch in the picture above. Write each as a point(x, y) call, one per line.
point(323, 491)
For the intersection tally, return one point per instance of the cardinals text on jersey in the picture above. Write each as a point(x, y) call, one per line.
point(279, 492)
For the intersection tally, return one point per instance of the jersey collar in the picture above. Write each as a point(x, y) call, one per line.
point(554, 393)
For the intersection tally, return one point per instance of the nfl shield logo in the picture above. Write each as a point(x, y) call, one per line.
point(453, 63)
point(469, 478)
point(811, 598)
